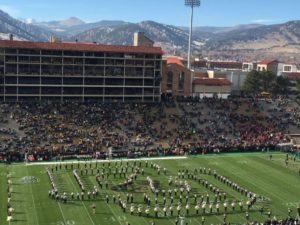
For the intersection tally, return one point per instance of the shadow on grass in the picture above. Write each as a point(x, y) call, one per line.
point(19, 213)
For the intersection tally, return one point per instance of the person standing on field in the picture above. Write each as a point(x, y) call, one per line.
point(94, 208)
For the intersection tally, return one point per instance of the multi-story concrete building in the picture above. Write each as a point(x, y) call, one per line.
point(85, 72)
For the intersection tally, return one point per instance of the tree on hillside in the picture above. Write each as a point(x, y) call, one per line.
point(281, 85)
point(265, 81)
point(298, 86)
point(252, 83)
point(268, 81)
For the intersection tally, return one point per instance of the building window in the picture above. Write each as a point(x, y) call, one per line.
point(170, 80)
point(181, 81)
point(287, 69)
point(170, 77)
point(245, 66)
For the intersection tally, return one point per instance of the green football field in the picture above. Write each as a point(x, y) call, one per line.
point(276, 186)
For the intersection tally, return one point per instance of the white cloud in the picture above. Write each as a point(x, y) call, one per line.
point(263, 21)
point(12, 11)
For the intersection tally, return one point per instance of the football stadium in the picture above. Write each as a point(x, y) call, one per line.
point(107, 134)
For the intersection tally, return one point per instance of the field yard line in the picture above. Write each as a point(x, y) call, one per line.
point(85, 206)
point(188, 217)
point(125, 196)
point(167, 178)
point(36, 217)
point(276, 196)
point(146, 220)
point(193, 219)
point(62, 213)
point(87, 212)
point(81, 200)
point(113, 213)
point(261, 187)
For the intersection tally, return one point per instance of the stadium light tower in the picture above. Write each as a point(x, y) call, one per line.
point(192, 4)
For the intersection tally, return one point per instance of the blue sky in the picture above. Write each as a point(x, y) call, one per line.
point(211, 12)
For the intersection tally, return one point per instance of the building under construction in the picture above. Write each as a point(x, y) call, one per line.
point(83, 72)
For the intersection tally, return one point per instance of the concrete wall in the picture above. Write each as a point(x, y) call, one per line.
point(139, 39)
point(197, 88)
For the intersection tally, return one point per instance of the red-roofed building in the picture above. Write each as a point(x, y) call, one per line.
point(210, 87)
point(216, 65)
point(212, 82)
point(79, 47)
point(174, 60)
point(85, 72)
point(268, 65)
point(176, 78)
point(200, 75)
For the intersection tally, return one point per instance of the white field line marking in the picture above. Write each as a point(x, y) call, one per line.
point(62, 213)
point(100, 161)
point(81, 200)
point(123, 194)
point(37, 220)
point(114, 214)
point(194, 219)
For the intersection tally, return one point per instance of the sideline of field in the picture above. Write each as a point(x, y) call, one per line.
point(228, 154)
point(238, 154)
point(105, 160)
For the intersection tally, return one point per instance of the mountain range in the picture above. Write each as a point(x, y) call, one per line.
point(242, 42)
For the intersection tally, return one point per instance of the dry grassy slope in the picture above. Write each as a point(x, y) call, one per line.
point(271, 42)
point(267, 37)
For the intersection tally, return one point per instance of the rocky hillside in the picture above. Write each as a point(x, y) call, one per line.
point(263, 37)
point(73, 26)
point(21, 30)
point(170, 38)
point(280, 41)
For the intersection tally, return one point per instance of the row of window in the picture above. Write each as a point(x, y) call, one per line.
point(106, 99)
point(79, 81)
point(79, 91)
point(78, 61)
point(77, 70)
point(78, 54)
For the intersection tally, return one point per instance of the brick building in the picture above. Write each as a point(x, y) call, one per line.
point(176, 78)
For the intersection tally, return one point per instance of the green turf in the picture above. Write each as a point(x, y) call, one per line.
point(272, 179)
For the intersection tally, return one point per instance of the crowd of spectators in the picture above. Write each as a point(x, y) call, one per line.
point(47, 130)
